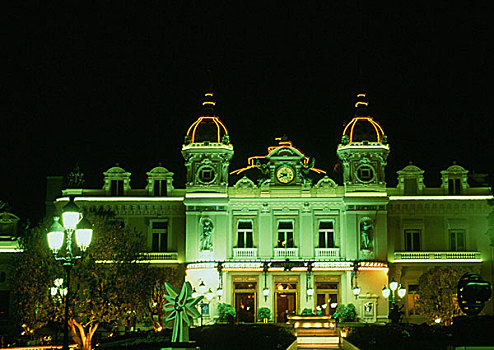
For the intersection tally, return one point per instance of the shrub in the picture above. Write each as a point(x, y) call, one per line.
point(345, 313)
point(226, 313)
point(264, 312)
point(307, 312)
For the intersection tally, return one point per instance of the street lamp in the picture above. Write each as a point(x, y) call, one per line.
point(394, 288)
point(73, 221)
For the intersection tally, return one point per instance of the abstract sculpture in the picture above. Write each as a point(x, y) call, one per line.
point(182, 308)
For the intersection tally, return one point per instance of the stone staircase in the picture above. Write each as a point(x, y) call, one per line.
point(315, 332)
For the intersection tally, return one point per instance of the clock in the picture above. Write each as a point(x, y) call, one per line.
point(285, 174)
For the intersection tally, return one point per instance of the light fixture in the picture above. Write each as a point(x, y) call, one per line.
point(55, 235)
point(202, 288)
point(386, 291)
point(393, 285)
point(209, 295)
point(265, 291)
point(219, 291)
point(356, 291)
point(194, 293)
point(356, 288)
point(60, 233)
point(71, 215)
point(310, 292)
point(402, 292)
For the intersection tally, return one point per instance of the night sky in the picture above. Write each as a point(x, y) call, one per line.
point(121, 83)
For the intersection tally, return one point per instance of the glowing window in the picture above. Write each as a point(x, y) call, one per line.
point(285, 234)
point(457, 240)
point(159, 188)
point(117, 188)
point(412, 240)
point(244, 234)
point(326, 234)
point(454, 186)
point(159, 232)
point(413, 299)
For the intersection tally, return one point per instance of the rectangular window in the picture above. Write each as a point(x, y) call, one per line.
point(413, 299)
point(159, 232)
point(410, 187)
point(245, 234)
point(412, 240)
point(117, 187)
point(159, 188)
point(454, 186)
point(457, 240)
point(285, 234)
point(326, 234)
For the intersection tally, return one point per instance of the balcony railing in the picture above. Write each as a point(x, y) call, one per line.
point(327, 253)
point(286, 252)
point(244, 253)
point(427, 256)
point(160, 256)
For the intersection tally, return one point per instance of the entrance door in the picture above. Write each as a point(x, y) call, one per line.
point(246, 307)
point(326, 298)
point(286, 304)
point(245, 301)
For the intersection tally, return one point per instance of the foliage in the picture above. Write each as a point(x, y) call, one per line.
point(437, 294)
point(345, 313)
point(153, 296)
point(400, 336)
point(226, 312)
point(104, 286)
point(264, 313)
point(307, 312)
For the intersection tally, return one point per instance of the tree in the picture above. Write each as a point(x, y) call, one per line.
point(437, 294)
point(153, 298)
point(105, 284)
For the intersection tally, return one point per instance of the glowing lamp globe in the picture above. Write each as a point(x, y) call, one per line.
point(83, 234)
point(265, 292)
point(195, 294)
point(55, 235)
point(393, 285)
point(401, 292)
point(202, 288)
point(310, 292)
point(71, 215)
point(386, 291)
point(209, 295)
point(219, 292)
point(356, 291)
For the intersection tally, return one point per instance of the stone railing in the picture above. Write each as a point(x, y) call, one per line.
point(438, 256)
point(327, 253)
point(286, 252)
point(244, 253)
point(160, 256)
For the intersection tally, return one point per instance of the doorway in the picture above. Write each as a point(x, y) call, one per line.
point(245, 301)
point(286, 301)
point(326, 298)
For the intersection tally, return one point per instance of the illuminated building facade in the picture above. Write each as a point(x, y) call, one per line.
point(280, 233)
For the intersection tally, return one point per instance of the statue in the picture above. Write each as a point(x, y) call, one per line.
point(264, 168)
point(206, 233)
point(182, 308)
point(76, 178)
point(366, 228)
point(305, 171)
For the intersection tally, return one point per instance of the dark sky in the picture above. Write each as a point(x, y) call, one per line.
point(121, 83)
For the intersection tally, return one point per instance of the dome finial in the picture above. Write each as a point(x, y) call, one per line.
point(361, 105)
point(208, 104)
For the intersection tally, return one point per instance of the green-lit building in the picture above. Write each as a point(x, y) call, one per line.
point(281, 233)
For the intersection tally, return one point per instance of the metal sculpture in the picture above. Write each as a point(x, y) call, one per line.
point(182, 308)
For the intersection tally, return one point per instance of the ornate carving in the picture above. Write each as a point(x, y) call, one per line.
point(366, 233)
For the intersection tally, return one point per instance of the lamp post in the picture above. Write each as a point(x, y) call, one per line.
point(394, 288)
point(73, 221)
point(355, 287)
point(391, 293)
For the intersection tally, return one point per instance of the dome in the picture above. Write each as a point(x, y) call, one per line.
point(362, 127)
point(207, 128)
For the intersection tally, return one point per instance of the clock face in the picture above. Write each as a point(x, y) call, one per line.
point(285, 174)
